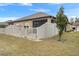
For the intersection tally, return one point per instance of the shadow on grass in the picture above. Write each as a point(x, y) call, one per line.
point(63, 40)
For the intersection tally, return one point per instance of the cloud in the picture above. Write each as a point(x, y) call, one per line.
point(21, 4)
point(40, 10)
point(7, 18)
point(26, 4)
point(5, 4)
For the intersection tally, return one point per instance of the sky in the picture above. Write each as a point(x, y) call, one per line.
point(13, 11)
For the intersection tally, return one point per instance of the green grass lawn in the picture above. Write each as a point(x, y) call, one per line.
point(69, 45)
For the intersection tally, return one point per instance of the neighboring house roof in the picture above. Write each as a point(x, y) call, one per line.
point(33, 16)
point(76, 24)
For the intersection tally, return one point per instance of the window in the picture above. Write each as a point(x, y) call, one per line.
point(52, 21)
point(38, 23)
point(35, 23)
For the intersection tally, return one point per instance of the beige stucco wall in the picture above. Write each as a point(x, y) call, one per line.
point(29, 23)
point(49, 20)
point(24, 23)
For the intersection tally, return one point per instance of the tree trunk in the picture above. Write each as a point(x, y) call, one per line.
point(65, 28)
point(60, 35)
point(59, 38)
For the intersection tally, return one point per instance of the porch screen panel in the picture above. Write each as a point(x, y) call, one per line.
point(38, 23)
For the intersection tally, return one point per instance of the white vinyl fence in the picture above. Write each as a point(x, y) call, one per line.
point(44, 31)
point(47, 30)
point(15, 31)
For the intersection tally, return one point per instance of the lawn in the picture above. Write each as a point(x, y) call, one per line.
point(12, 46)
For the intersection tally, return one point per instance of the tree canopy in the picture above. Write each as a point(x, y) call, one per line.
point(61, 21)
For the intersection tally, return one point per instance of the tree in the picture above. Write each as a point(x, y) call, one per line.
point(76, 19)
point(61, 21)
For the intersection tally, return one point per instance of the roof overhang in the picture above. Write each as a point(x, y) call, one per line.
point(33, 19)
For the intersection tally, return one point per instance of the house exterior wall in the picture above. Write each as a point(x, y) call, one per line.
point(24, 23)
point(77, 29)
point(30, 22)
point(49, 20)
point(69, 27)
point(46, 30)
